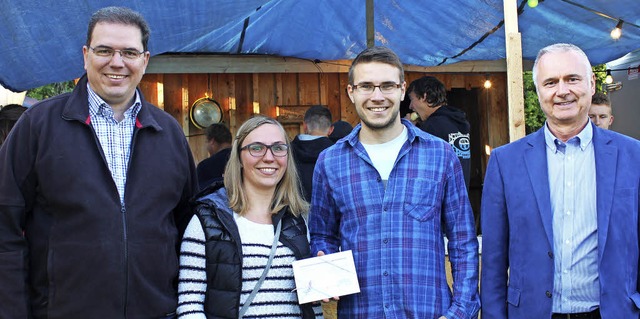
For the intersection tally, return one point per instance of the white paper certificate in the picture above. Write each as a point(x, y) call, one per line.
point(325, 277)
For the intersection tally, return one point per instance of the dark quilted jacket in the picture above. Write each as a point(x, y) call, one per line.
point(224, 251)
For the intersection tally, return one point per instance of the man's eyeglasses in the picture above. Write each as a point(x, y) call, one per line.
point(368, 88)
point(106, 52)
point(258, 149)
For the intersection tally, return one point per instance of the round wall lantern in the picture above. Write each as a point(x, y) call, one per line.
point(204, 112)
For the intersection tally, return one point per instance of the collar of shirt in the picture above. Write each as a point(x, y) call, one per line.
point(308, 137)
point(584, 138)
point(98, 107)
point(412, 132)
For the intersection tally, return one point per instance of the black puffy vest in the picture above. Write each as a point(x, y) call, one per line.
point(224, 257)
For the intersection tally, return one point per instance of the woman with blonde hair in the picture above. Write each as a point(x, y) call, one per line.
point(236, 254)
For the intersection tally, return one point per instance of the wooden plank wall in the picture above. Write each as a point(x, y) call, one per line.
point(239, 93)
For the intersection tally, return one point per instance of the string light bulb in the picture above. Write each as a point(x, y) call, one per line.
point(487, 149)
point(532, 3)
point(616, 33)
point(609, 78)
point(487, 82)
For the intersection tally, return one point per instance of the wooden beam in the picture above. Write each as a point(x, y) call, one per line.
point(514, 71)
point(231, 92)
point(240, 64)
point(323, 92)
point(167, 64)
point(185, 106)
point(256, 93)
point(371, 29)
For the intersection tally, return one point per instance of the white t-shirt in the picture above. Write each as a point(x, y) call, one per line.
point(384, 155)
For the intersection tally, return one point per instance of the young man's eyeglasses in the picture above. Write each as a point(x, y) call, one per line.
point(106, 52)
point(258, 149)
point(368, 88)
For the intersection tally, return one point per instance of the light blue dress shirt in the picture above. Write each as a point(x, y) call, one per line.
point(572, 182)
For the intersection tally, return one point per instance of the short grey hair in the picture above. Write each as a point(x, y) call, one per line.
point(557, 48)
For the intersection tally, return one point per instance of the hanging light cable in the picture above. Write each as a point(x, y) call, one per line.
point(616, 33)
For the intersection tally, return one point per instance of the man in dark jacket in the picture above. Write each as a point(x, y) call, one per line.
point(219, 146)
point(429, 99)
point(307, 147)
point(340, 129)
point(94, 190)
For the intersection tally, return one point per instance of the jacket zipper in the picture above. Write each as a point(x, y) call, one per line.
point(124, 225)
point(122, 209)
point(126, 258)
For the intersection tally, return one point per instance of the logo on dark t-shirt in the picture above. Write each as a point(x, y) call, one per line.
point(461, 144)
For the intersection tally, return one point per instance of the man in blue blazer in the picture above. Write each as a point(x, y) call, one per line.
point(560, 208)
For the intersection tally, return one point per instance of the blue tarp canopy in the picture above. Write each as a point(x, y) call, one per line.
point(41, 42)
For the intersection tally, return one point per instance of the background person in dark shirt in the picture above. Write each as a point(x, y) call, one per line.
point(340, 129)
point(219, 147)
point(429, 99)
point(307, 147)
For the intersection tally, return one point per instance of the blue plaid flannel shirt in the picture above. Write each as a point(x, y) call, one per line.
point(396, 234)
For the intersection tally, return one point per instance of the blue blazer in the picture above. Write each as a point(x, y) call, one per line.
point(517, 232)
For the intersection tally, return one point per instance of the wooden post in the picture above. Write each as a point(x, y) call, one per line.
point(231, 91)
point(515, 94)
point(185, 107)
point(370, 25)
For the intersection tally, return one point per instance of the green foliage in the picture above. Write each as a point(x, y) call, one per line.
point(50, 90)
point(533, 116)
point(601, 72)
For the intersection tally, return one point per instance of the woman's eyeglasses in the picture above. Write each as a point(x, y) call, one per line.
point(258, 149)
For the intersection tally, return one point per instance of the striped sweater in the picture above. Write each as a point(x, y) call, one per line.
point(276, 297)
